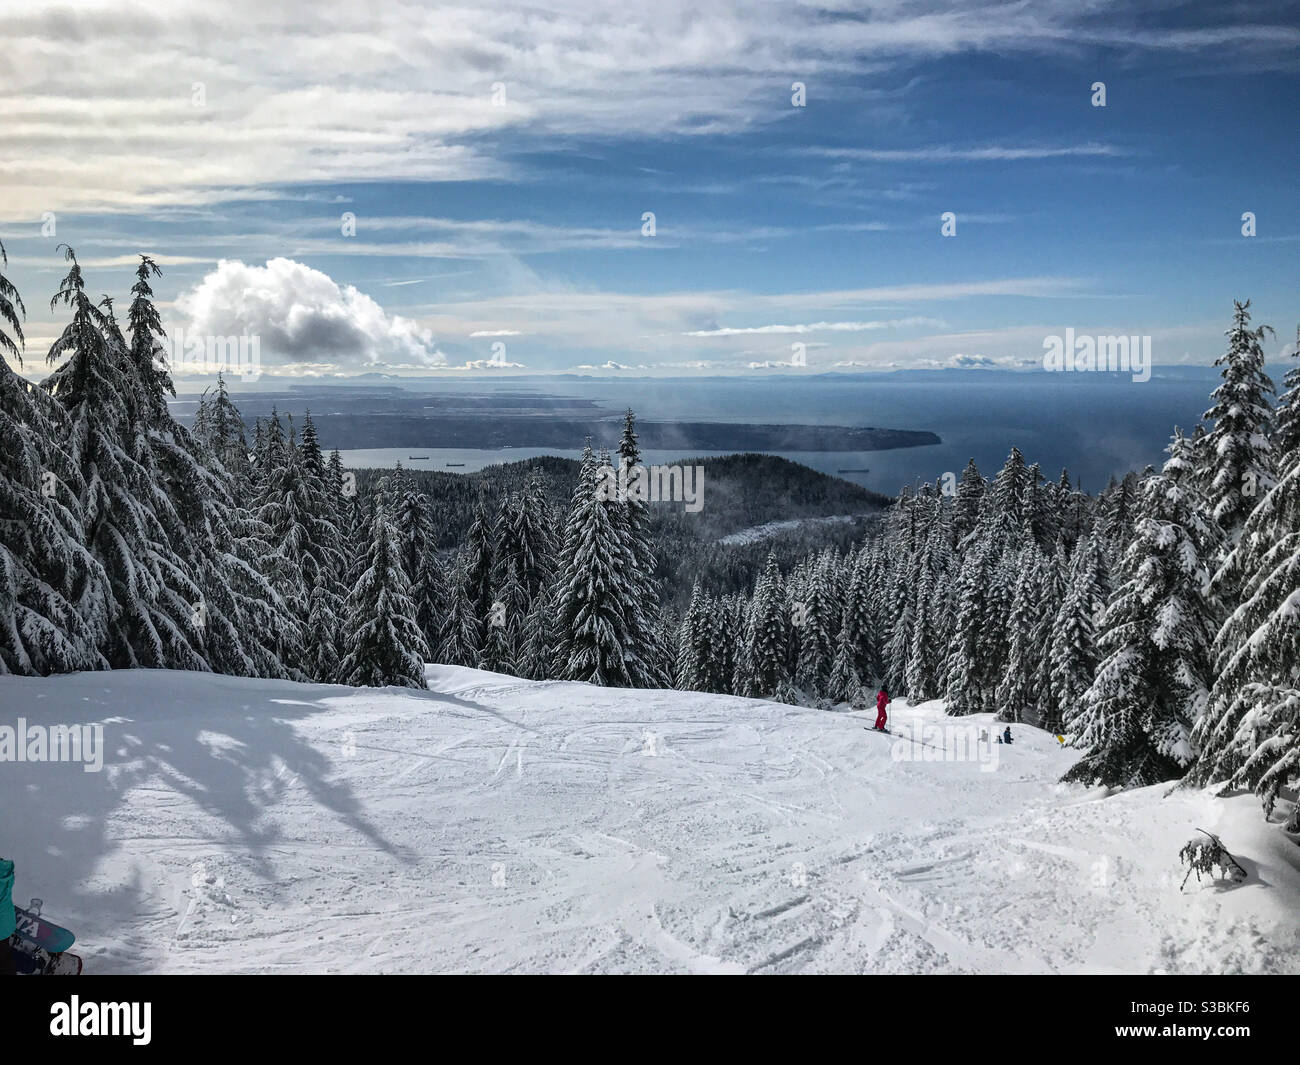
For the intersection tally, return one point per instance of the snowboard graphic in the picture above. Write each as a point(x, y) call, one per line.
point(40, 946)
point(41, 933)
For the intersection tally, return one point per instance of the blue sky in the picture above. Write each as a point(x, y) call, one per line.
point(499, 163)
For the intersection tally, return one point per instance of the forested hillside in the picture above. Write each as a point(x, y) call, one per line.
point(1155, 627)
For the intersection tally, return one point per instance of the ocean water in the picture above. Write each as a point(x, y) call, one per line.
point(1094, 425)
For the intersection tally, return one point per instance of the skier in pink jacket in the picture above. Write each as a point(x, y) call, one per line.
point(882, 701)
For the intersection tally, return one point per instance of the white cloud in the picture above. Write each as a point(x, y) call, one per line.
point(610, 365)
point(490, 364)
point(817, 327)
point(946, 153)
point(132, 106)
point(303, 316)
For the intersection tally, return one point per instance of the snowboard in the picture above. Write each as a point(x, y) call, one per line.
point(41, 933)
point(40, 947)
point(31, 960)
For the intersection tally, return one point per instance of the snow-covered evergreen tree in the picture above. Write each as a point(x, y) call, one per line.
point(461, 633)
point(594, 595)
point(52, 592)
point(220, 427)
point(154, 608)
point(695, 645)
point(1073, 653)
point(819, 614)
point(1018, 693)
point(1249, 736)
point(504, 624)
point(303, 544)
point(526, 539)
point(968, 502)
point(1117, 509)
point(1286, 417)
point(321, 655)
point(413, 520)
point(1054, 578)
point(902, 619)
point(1136, 720)
point(1007, 514)
point(1237, 451)
point(649, 664)
point(932, 574)
point(537, 645)
point(767, 634)
point(973, 674)
point(221, 546)
point(844, 685)
point(480, 563)
point(858, 620)
point(384, 645)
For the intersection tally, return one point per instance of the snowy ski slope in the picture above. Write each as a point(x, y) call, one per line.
point(499, 825)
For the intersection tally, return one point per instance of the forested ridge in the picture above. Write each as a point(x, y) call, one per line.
point(1156, 626)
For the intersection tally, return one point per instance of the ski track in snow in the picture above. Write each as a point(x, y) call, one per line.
point(499, 825)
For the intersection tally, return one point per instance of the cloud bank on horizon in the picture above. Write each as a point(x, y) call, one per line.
point(655, 188)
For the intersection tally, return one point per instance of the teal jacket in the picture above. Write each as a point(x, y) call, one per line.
point(6, 898)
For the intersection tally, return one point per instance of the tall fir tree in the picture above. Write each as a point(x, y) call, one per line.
point(967, 503)
point(1237, 450)
point(153, 617)
point(52, 591)
point(1249, 736)
point(972, 672)
point(461, 632)
point(595, 595)
point(648, 657)
point(1073, 654)
point(1018, 693)
point(479, 565)
point(385, 645)
point(1137, 716)
point(767, 634)
point(925, 665)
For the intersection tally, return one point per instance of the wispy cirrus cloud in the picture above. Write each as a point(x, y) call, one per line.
point(946, 153)
point(130, 106)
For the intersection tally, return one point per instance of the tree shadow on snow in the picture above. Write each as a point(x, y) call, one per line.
point(228, 745)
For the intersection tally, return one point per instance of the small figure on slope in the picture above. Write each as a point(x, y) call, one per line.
point(882, 701)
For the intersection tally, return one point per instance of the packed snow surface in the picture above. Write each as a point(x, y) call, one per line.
point(498, 825)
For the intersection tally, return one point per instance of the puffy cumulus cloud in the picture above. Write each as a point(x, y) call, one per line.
point(963, 361)
point(971, 362)
point(304, 316)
